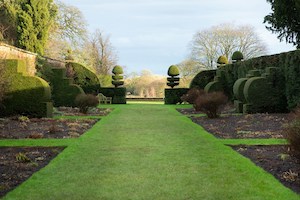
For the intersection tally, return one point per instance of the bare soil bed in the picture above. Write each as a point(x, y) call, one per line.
point(15, 168)
point(277, 160)
point(69, 111)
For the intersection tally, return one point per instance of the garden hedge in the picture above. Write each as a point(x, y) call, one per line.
point(287, 75)
point(85, 78)
point(26, 95)
point(64, 91)
point(118, 94)
point(202, 79)
point(173, 95)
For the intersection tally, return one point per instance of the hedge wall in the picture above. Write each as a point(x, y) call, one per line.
point(27, 95)
point(172, 96)
point(118, 94)
point(85, 78)
point(64, 91)
point(287, 77)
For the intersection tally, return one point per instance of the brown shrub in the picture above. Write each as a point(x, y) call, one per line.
point(210, 103)
point(85, 101)
point(192, 95)
point(292, 132)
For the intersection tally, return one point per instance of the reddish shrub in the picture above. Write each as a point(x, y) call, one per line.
point(292, 132)
point(192, 95)
point(85, 101)
point(210, 103)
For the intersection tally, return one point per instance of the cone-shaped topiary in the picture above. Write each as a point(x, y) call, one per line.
point(173, 81)
point(237, 56)
point(117, 77)
point(222, 60)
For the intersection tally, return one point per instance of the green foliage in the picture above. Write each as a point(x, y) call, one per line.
point(26, 95)
point(22, 157)
point(173, 81)
point(284, 20)
point(202, 79)
point(210, 103)
point(34, 20)
point(117, 70)
point(117, 78)
point(118, 94)
point(222, 60)
point(173, 96)
point(84, 77)
point(86, 101)
point(64, 91)
point(173, 71)
point(237, 56)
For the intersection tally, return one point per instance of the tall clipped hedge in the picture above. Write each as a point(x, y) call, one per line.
point(26, 95)
point(288, 74)
point(64, 91)
point(84, 77)
point(118, 94)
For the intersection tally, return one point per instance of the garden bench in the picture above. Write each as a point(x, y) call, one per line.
point(104, 99)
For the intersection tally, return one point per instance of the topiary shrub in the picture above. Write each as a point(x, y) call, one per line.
point(118, 94)
point(26, 95)
point(222, 60)
point(86, 101)
point(173, 96)
point(83, 77)
point(210, 103)
point(117, 77)
point(237, 56)
point(202, 79)
point(292, 132)
point(173, 81)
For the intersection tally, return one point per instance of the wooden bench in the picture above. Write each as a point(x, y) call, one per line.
point(103, 99)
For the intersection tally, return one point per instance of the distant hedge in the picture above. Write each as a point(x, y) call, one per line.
point(118, 94)
point(84, 77)
point(27, 95)
point(173, 95)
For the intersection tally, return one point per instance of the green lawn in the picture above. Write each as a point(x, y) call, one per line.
point(149, 152)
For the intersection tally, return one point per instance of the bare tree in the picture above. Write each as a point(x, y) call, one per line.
point(224, 39)
point(100, 53)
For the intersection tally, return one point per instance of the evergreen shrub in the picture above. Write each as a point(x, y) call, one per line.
point(173, 95)
point(118, 94)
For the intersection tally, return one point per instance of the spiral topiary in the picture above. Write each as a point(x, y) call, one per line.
point(117, 77)
point(237, 56)
point(173, 81)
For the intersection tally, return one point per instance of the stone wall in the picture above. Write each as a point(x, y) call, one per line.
point(11, 52)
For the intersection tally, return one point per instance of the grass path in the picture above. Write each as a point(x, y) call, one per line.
point(150, 152)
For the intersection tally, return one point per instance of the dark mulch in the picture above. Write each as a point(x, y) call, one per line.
point(70, 111)
point(14, 128)
point(277, 160)
point(14, 172)
point(227, 109)
point(245, 126)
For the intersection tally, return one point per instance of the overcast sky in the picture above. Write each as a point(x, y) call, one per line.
point(154, 34)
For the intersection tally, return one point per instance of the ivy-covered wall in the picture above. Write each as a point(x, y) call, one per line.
point(84, 77)
point(26, 95)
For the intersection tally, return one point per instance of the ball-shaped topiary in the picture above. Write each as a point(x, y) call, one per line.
point(173, 71)
point(117, 70)
point(222, 60)
point(237, 56)
point(117, 77)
